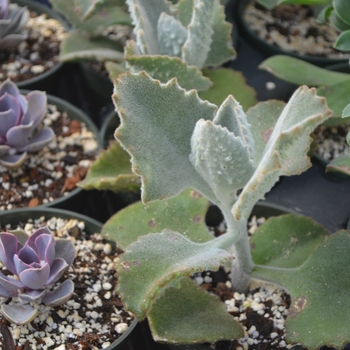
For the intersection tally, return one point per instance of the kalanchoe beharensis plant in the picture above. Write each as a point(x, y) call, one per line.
point(12, 24)
point(35, 264)
point(21, 130)
point(90, 20)
point(178, 141)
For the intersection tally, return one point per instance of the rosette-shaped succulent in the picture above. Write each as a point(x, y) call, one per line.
point(36, 262)
point(20, 124)
point(12, 22)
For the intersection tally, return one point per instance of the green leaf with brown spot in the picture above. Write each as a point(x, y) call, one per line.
point(111, 171)
point(192, 310)
point(286, 241)
point(340, 164)
point(184, 213)
point(155, 260)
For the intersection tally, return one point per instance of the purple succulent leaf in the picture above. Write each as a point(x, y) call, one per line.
point(35, 278)
point(13, 161)
point(7, 121)
point(22, 266)
point(32, 295)
point(59, 295)
point(19, 17)
point(7, 293)
point(42, 138)
point(58, 268)
point(12, 40)
point(7, 103)
point(10, 283)
point(8, 249)
point(4, 150)
point(10, 87)
point(65, 250)
point(28, 255)
point(18, 313)
point(40, 231)
point(37, 108)
point(45, 246)
point(4, 8)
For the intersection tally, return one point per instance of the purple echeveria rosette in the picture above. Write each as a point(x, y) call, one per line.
point(36, 262)
point(20, 124)
point(12, 24)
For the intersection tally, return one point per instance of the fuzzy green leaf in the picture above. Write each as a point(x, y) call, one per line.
point(157, 124)
point(149, 264)
point(286, 241)
point(171, 35)
point(200, 31)
point(225, 166)
point(114, 69)
point(228, 82)
point(340, 164)
point(221, 49)
point(77, 46)
point(287, 148)
point(337, 96)
point(320, 291)
point(89, 8)
point(346, 111)
point(111, 171)
point(184, 213)
point(262, 118)
point(300, 72)
point(192, 310)
point(97, 23)
point(185, 9)
point(145, 15)
point(165, 68)
point(343, 41)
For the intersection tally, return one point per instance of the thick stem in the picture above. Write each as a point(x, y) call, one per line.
point(242, 265)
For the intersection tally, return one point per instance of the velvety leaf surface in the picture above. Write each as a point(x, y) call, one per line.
point(184, 8)
point(262, 118)
point(88, 8)
point(320, 295)
point(221, 49)
point(160, 144)
point(97, 22)
point(286, 241)
point(165, 68)
point(300, 72)
point(287, 148)
point(78, 46)
point(192, 310)
point(184, 213)
point(111, 171)
point(228, 82)
point(340, 164)
point(200, 31)
point(114, 69)
point(145, 15)
point(149, 264)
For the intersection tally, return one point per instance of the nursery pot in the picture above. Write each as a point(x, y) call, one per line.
point(131, 338)
point(75, 198)
point(49, 79)
point(270, 49)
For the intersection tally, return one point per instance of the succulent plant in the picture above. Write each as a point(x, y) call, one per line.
point(36, 263)
point(12, 22)
point(20, 124)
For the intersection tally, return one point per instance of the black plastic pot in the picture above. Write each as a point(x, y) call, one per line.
point(132, 338)
point(269, 49)
point(48, 80)
point(75, 199)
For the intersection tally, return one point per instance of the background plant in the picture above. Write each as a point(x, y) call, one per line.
point(36, 262)
point(21, 128)
point(13, 19)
